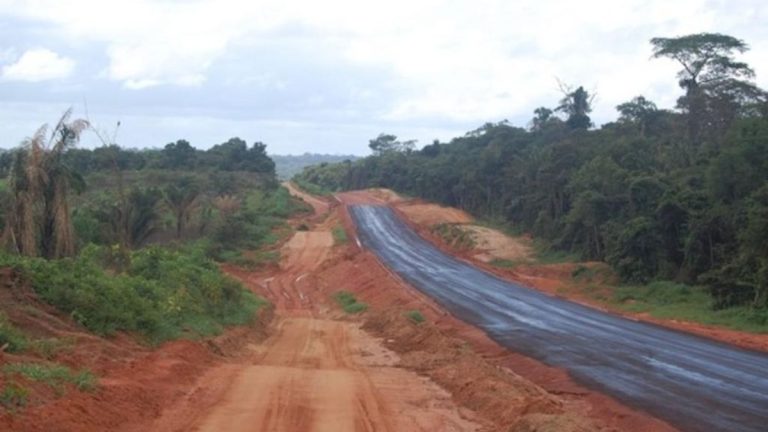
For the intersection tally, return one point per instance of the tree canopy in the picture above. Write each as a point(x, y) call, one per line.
point(640, 193)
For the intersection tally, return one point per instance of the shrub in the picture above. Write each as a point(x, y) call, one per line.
point(454, 235)
point(415, 316)
point(164, 294)
point(349, 303)
point(11, 335)
point(13, 396)
point(54, 375)
point(339, 235)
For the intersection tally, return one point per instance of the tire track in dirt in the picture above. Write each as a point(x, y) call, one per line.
point(316, 373)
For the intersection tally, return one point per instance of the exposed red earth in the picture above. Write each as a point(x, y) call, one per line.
point(308, 366)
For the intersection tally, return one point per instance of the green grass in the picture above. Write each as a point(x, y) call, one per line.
point(13, 396)
point(671, 300)
point(544, 254)
point(507, 263)
point(349, 303)
point(311, 188)
point(53, 375)
point(415, 316)
point(500, 225)
point(16, 340)
point(339, 235)
point(48, 348)
point(164, 294)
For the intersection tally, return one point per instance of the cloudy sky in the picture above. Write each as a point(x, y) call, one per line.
point(326, 76)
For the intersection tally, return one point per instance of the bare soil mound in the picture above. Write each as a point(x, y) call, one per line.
point(426, 214)
point(491, 244)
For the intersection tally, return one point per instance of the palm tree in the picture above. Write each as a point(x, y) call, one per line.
point(39, 219)
point(181, 199)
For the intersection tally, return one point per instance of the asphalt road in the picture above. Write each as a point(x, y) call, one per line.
point(694, 383)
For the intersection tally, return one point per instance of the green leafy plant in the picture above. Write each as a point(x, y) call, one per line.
point(54, 375)
point(10, 336)
point(349, 303)
point(13, 396)
point(339, 235)
point(415, 316)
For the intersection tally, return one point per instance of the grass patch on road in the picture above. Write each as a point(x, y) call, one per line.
point(349, 303)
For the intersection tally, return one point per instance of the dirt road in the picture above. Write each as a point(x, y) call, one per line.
point(318, 205)
point(315, 372)
point(325, 375)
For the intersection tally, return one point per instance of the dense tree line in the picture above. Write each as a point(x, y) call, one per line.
point(658, 194)
point(232, 155)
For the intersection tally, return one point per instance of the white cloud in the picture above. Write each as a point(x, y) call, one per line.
point(38, 64)
point(438, 63)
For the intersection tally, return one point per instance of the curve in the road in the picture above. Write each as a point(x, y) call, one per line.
point(694, 383)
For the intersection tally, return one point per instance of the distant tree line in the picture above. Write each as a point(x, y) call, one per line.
point(674, 195)
point(55, 198)
point(288, 166)
point(232, 155)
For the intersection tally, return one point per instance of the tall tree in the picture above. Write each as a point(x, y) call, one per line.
point(576, 104)
point(639, 111)
point(179, 155)
point(709, 72)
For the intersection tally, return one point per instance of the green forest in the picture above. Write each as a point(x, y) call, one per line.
point(130, 240)
point(660, 195)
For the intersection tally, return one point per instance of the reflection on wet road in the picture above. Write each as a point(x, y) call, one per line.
point(694, 383)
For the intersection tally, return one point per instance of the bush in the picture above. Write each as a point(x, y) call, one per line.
point(164, 294)
point(53, 375)
point(349, 303)
point(339, 235)
point(11, 335)
point(453, 235)
point(415, 316)
point(13, 396)
point(665, 299)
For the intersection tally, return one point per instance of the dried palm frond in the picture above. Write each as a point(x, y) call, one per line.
point(39, 218)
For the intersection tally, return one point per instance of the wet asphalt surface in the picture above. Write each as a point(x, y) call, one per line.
point(694, 383)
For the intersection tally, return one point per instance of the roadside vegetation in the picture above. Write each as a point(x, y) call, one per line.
point(129, 240)
point(666, 197)
point(671, 300)
point(339, 235)
point(454, 235)
point(415, 316)
point(312, 188)
point(11, 338)
point(347, 301)
point(53, 375)
point(162, 294)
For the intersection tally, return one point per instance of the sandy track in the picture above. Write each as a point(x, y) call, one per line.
point(325, 375)
point(318, 205)
point(313, 373)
